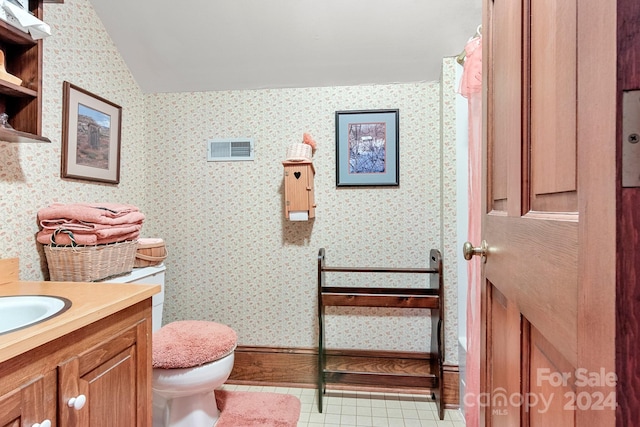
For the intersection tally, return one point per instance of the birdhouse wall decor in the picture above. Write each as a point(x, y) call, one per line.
point(298, 190)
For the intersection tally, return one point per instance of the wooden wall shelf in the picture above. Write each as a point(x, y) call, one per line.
point(12, 135)
point(22, 103)
point(10, 34)
point(10, 89)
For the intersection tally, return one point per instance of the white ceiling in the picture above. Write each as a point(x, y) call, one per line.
point(204, 45)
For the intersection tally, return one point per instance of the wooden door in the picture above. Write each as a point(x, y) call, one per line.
point(548, 291)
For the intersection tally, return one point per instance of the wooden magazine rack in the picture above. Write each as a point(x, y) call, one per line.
point(431, 298)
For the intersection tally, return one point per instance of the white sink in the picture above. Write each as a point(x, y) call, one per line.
point(20, 311)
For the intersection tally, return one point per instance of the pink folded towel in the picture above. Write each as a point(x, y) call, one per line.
point(77, 224)
point(89, 223)
point(100, 232)
point(64, 239)
point(101, 213)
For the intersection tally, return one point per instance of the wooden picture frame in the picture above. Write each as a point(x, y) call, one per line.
point(91, 128)
point(367, 148)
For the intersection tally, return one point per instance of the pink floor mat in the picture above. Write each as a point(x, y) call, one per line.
point(253, 409)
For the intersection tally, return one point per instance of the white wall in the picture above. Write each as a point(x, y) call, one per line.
point(462, 215)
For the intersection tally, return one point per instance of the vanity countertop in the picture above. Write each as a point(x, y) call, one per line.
point(90, 302)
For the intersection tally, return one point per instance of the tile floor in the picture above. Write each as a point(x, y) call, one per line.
point(363, 409)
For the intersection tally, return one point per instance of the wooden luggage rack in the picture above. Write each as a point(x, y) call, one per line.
point(431, 298)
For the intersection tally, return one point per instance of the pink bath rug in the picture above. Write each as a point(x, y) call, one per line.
point(257, 409)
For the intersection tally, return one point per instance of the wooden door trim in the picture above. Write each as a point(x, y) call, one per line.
point(596, 134)
point(627, 303)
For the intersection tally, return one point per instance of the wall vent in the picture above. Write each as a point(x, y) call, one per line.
point(227, 150)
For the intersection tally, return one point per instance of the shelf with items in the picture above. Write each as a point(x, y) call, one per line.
point(22, 102)
point(12, 135)
point(13, 90)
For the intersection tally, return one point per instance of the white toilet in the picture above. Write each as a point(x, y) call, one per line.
point(153, 275)
point(191, 359)
point(184, 396)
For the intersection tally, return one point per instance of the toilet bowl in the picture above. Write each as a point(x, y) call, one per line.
point(190, 360)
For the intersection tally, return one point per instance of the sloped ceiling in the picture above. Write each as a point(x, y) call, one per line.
point(208, 45)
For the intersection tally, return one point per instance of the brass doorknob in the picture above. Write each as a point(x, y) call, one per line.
point(469, 251)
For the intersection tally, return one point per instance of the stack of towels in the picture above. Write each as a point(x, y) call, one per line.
point(89, 223)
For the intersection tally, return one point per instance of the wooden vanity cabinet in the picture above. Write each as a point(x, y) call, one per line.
point(108, 362)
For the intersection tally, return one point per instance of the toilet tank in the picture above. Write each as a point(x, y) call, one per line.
point(153, 275)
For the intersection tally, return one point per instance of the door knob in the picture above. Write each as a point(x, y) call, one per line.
point(469, 251)
point(78, 402)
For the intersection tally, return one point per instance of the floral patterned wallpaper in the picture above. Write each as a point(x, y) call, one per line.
point(81, 52)
point(233, 258)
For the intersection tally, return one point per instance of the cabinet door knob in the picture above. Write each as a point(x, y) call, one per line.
point(77, 403)
point(45, 423)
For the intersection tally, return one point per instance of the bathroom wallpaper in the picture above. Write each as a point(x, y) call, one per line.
point(449, 246)
point(81, 52)
point(233, 258)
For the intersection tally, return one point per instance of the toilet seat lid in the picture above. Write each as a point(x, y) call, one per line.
point(189, 343)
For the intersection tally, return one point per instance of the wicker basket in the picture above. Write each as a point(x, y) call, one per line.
point(151, 251)
point(90, 263)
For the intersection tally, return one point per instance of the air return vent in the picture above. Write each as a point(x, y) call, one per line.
point(227, 150)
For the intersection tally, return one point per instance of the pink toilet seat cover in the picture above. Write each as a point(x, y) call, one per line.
point(189, 343)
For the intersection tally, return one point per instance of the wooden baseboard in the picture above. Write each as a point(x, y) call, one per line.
point(298, 367)
point(451, 379)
